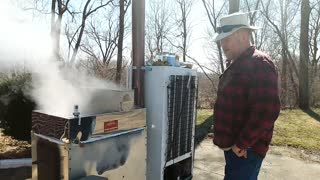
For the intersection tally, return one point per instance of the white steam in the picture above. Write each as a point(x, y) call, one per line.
point(23, 42)
point(27, 44)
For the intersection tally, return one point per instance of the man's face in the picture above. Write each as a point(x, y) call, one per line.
point(230, 46)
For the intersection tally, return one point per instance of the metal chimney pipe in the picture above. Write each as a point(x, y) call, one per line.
point(138, 24)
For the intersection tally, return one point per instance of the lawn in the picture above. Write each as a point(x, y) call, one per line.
point(299, 129)
point(203, 124)
point(294, 128)
point(203, 115)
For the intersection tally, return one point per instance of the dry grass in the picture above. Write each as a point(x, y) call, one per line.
point(299, 129)
point(294, 128)
point(203, 115)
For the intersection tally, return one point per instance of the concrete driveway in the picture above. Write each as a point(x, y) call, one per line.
point(209, 165)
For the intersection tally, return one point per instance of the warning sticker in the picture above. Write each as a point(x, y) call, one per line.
point(110, 126)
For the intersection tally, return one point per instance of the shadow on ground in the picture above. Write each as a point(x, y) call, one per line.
point(312, 114)
point(202, 130)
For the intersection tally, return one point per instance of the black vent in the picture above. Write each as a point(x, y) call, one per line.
point(181, 105)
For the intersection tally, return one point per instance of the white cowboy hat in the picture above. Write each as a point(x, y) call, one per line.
point(231, 23)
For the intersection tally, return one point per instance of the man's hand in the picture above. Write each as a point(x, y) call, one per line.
point(239, 152)
point(211, 132)
point(211, 135)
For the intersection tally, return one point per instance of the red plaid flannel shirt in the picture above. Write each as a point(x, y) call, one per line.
point(247, 103)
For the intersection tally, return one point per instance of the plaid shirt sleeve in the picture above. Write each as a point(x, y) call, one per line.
point(264, 104)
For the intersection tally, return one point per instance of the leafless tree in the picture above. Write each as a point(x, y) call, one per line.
point(57, 10)
point(315, 57)
point(280, 28)
point(284, 34)
point(253, 17)
point(184, 7)
point(304, 55)
point(158, 27)
point(120, 40)
point(101, 40)
point(206, 96)
point(58, 7)
point(89, 8)
point(213, 15)
point(123, 6)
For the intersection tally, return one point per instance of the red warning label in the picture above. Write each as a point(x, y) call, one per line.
point(110, 126)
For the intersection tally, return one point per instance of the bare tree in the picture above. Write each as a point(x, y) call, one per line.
point(57, 10)
point(281, 29)
point(88, 9)
point(158, 27)
point(304, 55)
point(315, 57)
point(252, 17)
point(206, 96)
point(102, 36)
point(182, 21)
point(284, 20)
point(213, 16)
point(123, 8)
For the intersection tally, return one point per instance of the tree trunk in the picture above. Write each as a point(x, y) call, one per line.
point(184, 14)
point(120, 42)
point(55, 29)
point(233, 6)
point(284, 78)
point(184, 38)
point(304, 55)
point(220, 57)
point(284, 55)
point(53, 15)
point(294, 87)
point(77, 46)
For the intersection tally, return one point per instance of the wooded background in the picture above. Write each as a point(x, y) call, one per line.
point(94, 34)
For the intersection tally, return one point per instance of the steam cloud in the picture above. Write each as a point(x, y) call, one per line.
point(27, 44)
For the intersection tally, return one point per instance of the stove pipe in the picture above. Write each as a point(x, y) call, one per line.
point(138, 40)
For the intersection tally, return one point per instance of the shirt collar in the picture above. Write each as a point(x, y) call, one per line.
point(247, 53)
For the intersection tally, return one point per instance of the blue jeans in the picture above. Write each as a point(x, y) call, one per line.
point(242, 168)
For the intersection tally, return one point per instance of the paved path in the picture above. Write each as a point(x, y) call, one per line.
point(209, 165)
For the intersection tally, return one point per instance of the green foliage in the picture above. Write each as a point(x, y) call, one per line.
point(15, 105)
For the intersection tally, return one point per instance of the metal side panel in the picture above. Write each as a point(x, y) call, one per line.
point(49, 158)
point(117, 156)
point(157, 78)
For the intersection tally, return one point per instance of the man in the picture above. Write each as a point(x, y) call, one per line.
point(247, 102)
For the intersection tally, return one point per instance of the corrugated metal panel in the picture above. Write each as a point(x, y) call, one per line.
point(181, 99)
